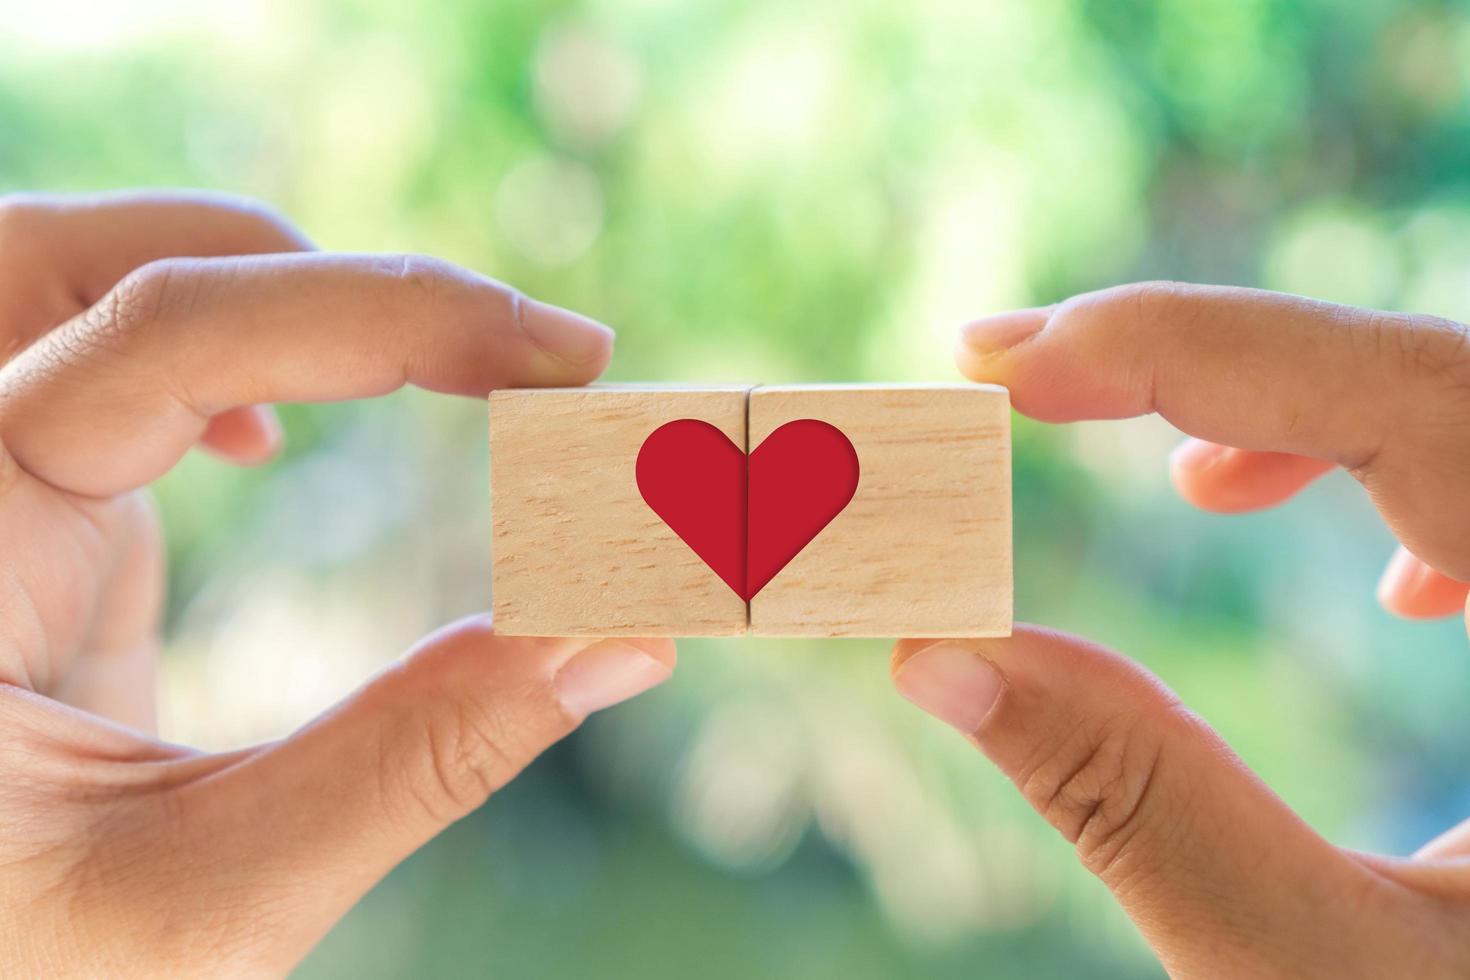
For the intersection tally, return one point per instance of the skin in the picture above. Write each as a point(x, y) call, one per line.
point(1219, 876)
point(126, 856)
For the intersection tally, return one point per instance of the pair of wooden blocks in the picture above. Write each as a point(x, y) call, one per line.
point(920, 546)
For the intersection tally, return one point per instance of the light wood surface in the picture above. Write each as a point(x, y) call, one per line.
point(924, 547)
point(576, 550)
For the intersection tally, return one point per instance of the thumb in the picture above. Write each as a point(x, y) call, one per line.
point(309, 824)
point(1200, 854)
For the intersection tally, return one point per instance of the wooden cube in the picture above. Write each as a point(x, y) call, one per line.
point(918, 478)
point(924, 546)
point(577, 550)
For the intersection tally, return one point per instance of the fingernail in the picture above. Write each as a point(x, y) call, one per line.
point(270, 424)
point(1197, 454)
point(994, 334)
point(1401, 579)
point(952, 683)
point(569, 336)
point(605, 674)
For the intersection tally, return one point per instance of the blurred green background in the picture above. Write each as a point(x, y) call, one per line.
point(776, 191)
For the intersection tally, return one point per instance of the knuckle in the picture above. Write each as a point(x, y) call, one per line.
point(414, 286)
point(129, 323)
point(1425, 362)
point(1410, 346)
point(1096, 784)
point(1435, 349)
point(1385, 337)
point(1157, 303)
point(462, 748)
point(139, 302)
point(422, 275)
point(471, 754)
point(1152, 318)
point(104, 332)
point(1142, 312)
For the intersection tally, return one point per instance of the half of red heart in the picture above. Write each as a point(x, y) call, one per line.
point(800, 477)
point(693, 477)
point(747, 518)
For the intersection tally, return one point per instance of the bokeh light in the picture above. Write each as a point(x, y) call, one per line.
point(789, 192)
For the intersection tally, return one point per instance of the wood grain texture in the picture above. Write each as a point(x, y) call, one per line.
point(924, 547)
point(576, 551)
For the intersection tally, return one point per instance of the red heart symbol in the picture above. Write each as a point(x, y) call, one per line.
point(747, 518)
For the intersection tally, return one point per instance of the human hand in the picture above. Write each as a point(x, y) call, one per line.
point(1219, 875)
point(123, 855)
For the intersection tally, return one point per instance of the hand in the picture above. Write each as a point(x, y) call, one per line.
point(122, 855)
point(1220, 876)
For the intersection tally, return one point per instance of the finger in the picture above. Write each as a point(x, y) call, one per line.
point(1201, 855)
point(311, 823)
point(1240, 367)
point(1452, 844)
point(247, 435)
point(1377, 393)
point(1229, 480)
point(113, 398)
point(62, 253)
point(1412, 589)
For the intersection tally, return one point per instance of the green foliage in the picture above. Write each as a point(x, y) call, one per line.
point(778, 192)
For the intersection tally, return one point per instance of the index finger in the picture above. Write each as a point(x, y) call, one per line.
point(111, 399)
point(1242, 367)
point(1382, 394)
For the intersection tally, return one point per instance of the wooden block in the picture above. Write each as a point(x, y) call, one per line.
point(577, 550)
point(924, 546)
point(921, 548)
